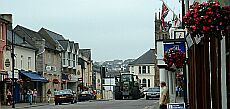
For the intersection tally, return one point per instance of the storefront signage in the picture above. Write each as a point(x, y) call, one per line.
point(7, 62)
point(176, 106)
point(179, 45)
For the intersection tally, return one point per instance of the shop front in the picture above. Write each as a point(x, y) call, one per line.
point(31, 80)
point(3, 77)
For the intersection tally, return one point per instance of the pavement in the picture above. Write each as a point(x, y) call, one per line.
point(24, 105)
point(27, 105)
point(156, 106)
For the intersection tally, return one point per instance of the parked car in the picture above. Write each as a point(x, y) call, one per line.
point(86, 95)
point(153, 93)
point(65, 96)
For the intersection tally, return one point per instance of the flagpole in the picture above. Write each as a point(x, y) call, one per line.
point(169, 8)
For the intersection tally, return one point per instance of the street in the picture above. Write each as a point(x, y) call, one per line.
point(111, 104)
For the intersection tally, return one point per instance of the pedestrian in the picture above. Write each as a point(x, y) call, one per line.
point(30, 96)
point(177, 91)
point(164, 97)
point(9, 96)
point(35, 94)
point(49, 95)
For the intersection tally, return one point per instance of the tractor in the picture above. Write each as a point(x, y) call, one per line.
point(127, 87)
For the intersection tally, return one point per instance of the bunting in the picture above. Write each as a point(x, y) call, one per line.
point(164, 13)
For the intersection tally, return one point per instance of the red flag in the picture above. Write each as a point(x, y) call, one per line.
point(164, 13)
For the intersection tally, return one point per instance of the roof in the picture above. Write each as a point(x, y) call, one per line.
point(148, 58)
point(86, 53)
point(52, 34)
point(30, 35)
point(64, 44)
point(51, 42)
point(18, 40)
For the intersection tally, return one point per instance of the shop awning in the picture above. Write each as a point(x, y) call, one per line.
point(33, 76)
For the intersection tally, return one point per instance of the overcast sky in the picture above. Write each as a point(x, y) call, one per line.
point(113, 29)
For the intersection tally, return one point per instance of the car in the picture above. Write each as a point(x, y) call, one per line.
point(86, 95)
point(64, 96)
point(153, 93)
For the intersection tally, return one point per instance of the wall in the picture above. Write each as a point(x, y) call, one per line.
point(146, 75)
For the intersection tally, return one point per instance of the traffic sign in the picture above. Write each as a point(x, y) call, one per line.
point(7, 62)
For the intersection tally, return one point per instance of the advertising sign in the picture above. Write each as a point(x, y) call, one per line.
point(180, 45)
point(176, 106)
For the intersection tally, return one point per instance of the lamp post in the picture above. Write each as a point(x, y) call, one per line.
point(13, 64)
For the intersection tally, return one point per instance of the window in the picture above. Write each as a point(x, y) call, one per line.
point(74, 64)
point(148, 69)
point(29, 63)
point(16, 61)
point(144, 82)
point(132, 68)
point(144, 69)
point(1, 31)
point(140, 81)
point(139, 69)
point(49, 58)
point(149, 83)
point(63, 55)
point(21, 61)
point(69, 59)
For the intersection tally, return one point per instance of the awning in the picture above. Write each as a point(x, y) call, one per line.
point(33, 76)
point(64, 77)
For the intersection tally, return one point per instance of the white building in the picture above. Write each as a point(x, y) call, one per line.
point(144, 68)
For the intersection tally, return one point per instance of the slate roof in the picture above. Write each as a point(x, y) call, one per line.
point(64, 44)
point(52, 34)
point(30, 35)
point(18, 40)
point(48, 36)
point(148, 58)
point(86, 53)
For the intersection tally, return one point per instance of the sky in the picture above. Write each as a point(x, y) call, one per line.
point(112, 29)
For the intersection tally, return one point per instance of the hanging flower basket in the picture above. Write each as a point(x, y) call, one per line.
point(206, 18)
point(7, 80)
point(56, 81)
point(174, 56)
point(19, 81)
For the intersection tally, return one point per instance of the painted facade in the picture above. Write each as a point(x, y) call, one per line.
point(144, 68)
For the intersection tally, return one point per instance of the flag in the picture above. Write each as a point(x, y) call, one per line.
point(176, 21)
point(164, 13)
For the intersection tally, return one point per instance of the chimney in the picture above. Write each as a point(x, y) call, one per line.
point(7, 17)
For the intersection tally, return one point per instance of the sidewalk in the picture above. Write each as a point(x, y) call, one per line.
point(24, 105)
point(178, 100)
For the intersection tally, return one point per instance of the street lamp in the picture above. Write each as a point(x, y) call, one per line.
point(13, 64)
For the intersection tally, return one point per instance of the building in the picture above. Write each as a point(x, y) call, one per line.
point(5, 23)
point(144, 68)
point(48, 59)
point(69, 59)
point(85, 68)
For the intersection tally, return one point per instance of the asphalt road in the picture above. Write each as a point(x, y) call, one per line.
point(111, 104)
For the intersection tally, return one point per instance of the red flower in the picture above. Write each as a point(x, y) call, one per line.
point(194, 27)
